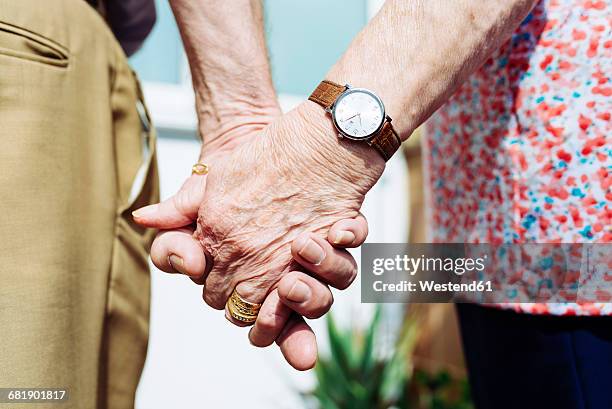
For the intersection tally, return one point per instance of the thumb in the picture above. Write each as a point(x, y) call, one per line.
point(178, 210)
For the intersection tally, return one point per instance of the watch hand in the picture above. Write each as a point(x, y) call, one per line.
point(347, 119)
point(360, 120)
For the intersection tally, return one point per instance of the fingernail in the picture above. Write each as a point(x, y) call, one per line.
point(145, 211)
point(299, 293)
point(176, 263)
point(312, 252)
point(344, 237)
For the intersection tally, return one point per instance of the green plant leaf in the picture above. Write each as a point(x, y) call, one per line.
point(325, 402)
point(396, 372)
point(367, 355)
point(332, 381)
point(394, 379)
point(340, 345)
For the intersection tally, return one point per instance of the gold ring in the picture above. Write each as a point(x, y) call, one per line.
point(241, 309)
point(199, 169)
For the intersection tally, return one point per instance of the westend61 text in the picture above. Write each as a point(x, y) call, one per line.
point(432, 286)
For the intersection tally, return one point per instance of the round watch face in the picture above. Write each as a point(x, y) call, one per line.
point(358, 113)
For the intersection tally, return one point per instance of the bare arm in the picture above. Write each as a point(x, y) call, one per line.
point(424, 49)
point(225, 45)
point(414, 54)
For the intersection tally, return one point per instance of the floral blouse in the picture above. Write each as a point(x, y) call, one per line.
point(523, 151)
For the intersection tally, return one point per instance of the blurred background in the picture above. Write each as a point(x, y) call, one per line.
point(193, 352)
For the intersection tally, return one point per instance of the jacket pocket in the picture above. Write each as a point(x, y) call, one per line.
point(21, 43)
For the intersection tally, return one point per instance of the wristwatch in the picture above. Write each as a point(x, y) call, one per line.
point(358, 114)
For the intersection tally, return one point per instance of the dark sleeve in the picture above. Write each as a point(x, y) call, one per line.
point(131, 21)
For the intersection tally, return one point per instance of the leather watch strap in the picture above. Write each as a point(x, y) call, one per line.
point(326, 93)
point(387, 141)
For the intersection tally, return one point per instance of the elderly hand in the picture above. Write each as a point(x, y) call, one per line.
point(176, 251)
point(297, 176)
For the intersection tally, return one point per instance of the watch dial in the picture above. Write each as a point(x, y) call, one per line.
point(358, 114)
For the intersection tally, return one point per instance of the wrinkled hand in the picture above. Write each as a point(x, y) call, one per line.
point(295, 177)
point(176, 251)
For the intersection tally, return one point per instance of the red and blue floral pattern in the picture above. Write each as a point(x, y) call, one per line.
point(523, 151)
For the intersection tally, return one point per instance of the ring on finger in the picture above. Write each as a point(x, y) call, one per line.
point(199, 169)
point(241, 309)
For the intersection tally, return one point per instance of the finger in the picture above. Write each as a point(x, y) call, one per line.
point(348, 232)
point(271, 320)
point(176, 251)
point(334, 266)
point(298, 344)
point(304, 294)
point(176, 211)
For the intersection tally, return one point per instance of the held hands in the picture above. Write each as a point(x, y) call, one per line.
point(261, 196)
point(267, 215)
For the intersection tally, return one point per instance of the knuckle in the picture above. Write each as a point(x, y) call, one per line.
point(267, 321)
point(366, 231)
point(213, 300)
point(298, 242)
point(347, 279)
point(181, 202)
point(320, 309)
point(291, 277)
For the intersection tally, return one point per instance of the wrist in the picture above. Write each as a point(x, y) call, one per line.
point(228, 134)
point(354, 162)
point(224, 126)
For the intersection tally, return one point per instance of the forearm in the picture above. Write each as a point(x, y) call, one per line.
point(225, 46)
point(414, 54)
point(424, 49)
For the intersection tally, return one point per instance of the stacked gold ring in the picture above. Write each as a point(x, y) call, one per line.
point(241, 309)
